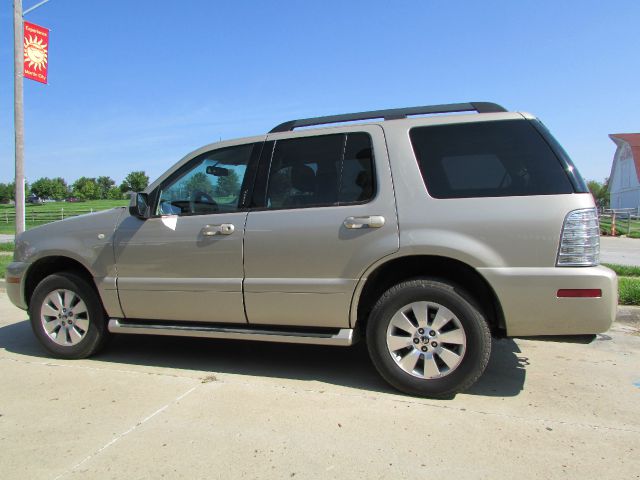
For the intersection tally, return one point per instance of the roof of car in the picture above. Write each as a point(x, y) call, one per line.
point(390, 114)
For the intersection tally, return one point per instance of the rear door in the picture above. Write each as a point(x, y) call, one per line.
point(324, 211)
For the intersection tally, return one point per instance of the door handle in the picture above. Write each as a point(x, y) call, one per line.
point(222, 229)
point(373, 221)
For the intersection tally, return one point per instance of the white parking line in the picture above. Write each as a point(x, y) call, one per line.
point(125, 433)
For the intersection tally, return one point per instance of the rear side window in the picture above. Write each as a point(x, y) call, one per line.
point(321, 170)
point(487, 159)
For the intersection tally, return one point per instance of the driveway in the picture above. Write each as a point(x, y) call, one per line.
point(189, 408)
point(625, 251)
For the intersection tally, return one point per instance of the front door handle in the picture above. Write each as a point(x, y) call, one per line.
point(222, 229)
point(373, 221)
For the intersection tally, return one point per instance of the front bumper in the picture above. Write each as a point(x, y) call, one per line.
point(14, 278)
point(531, 306)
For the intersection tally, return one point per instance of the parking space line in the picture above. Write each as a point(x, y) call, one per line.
point(125, 433)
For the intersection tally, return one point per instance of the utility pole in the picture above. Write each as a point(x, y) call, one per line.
point(18, 112)
point(18, 106)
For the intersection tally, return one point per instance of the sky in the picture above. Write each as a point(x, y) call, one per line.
point(136, 85)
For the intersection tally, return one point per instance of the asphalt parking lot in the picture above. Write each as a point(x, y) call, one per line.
point(189, 408)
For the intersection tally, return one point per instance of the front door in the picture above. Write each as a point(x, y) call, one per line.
point(324, 212)
point(185, 262)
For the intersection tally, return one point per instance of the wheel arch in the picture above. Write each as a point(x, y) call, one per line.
point(459, 274)
point(49, 265)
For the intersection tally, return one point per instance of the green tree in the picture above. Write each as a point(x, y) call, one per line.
point(136, 182)
point(85, 188)
point(229, 185)
point(10, 190)
point(600, 192)
point(50, 188)
point(6, 192)
point(59, 189)
point(41, 187)
point(104, 185)
point(199, 182)
point(114, 193)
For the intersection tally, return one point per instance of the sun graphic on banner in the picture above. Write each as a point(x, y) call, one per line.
point(35, 52)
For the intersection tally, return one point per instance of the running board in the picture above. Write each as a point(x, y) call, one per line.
point(343, 338)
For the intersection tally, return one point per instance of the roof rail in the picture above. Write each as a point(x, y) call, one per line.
point(391, 114)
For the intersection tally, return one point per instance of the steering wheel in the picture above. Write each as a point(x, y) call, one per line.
point(199, 197)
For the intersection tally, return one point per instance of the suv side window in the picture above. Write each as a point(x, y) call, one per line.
point(487, 159)
point(210, 183)
point(321, 170)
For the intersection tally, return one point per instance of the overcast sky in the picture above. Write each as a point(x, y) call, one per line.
point(135, 85)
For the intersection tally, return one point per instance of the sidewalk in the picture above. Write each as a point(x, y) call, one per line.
point(623, 251)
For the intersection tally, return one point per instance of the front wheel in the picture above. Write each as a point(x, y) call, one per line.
point(425, 338)
point(67, 316)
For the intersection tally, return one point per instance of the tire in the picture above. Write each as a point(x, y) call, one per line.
point(65, 298)
point(426, 338)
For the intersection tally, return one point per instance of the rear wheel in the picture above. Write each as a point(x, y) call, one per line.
point(67, 316)
point(426, 338)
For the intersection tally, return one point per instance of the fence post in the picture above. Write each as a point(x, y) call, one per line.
point(613, 223)
point(61, 213)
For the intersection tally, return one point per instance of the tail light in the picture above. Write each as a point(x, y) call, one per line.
point(580, 240)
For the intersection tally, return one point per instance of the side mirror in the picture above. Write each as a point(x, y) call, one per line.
point(139, 205)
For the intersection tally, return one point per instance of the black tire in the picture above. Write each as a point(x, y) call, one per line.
point(93, 337)
point(475, 355)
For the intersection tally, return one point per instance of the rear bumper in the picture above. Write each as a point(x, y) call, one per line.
point(530, 303)
point(15, 283)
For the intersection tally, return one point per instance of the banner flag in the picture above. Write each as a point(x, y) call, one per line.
point(36, 50)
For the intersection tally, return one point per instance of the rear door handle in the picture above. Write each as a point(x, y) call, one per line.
point(373, 221)
point(222, 229)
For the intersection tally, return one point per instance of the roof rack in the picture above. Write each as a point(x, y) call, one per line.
point(391, 114)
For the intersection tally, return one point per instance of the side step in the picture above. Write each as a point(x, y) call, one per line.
point(343, 338)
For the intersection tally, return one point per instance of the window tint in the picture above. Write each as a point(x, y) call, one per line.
point(209, 184)
point(320, 171)
point(487, 159)
point(356, 176)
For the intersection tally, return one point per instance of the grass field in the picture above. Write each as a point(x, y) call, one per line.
point(56, 206)
point(623, 227)
point(48, 212)
point(4, 261)
point(629, 290)
point(628, 283)
point(624, 270)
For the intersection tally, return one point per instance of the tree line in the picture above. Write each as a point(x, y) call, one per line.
point(600, 192)
point(84, 188)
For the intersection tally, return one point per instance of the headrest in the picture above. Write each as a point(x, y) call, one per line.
point(303, 178)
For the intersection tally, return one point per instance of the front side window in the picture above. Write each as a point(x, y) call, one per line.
point(321, 171)
point(211, 183)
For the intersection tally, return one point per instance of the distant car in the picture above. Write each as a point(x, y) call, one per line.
point(34, 199)
point(72, 199)
point(423, 235)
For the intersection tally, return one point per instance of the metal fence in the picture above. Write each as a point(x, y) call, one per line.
point(47, 216)
point(620, 221)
